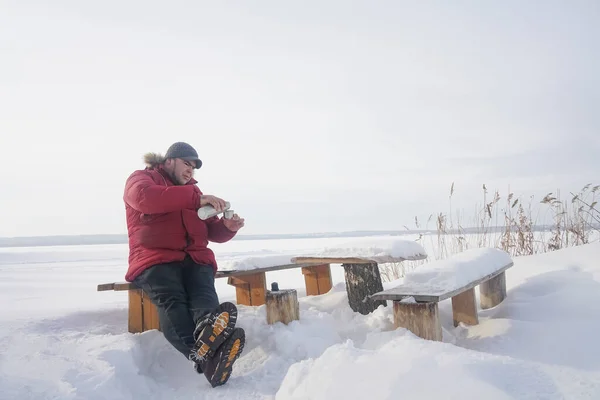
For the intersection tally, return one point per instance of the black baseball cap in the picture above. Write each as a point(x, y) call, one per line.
point(185, 152)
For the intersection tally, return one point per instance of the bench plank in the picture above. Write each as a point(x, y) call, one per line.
point(224, 274)
point(106, 286)
point(355, 260)
point(124, 286)
point(422, 293)
point(117, 286)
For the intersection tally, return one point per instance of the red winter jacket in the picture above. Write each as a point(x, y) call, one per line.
point(163, 223)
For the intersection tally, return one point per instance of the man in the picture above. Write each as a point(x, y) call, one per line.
point(170, 260)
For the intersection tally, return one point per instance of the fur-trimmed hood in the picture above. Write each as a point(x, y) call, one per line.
point(153, 160)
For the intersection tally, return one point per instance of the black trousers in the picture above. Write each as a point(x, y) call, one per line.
point(184, 294)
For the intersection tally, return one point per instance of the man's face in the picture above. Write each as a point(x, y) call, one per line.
point(180, 171)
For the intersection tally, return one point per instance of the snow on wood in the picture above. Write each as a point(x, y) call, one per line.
point(460, 269)
point(441, 279)
point(245, 262)
point(378, 249)
point(381, 249)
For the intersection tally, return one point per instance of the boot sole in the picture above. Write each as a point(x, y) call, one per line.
point(226, 356)
point(211, 339)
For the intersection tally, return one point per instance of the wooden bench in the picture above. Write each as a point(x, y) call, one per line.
point(416, 303)
point(361, 274)
point(250, 288)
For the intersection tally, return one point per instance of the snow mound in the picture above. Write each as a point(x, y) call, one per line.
point(407, 367)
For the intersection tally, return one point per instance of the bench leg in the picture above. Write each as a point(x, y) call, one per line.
point(422, 319)
point(143, 315)
point(317, 279)
point(362, 281)
point(150, 314)
point(250, 290)
point(464, 308)
point(136, 314)
point(493, 291)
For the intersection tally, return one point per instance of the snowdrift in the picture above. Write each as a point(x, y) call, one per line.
point(60, 339)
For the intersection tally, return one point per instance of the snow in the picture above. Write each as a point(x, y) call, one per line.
point(444, 276)
point(378, 248)
point(413, 370)
point(60, 339)
point(246, 262)
point(374, 248)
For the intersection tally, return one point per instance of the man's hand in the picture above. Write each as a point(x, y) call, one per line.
point(234, 224)
point(216, 202)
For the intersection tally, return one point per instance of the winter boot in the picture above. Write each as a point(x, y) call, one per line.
point(218, 368)
point(212, 331)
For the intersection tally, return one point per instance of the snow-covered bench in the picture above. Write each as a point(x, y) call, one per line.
point(416, 300)
point(359, 258)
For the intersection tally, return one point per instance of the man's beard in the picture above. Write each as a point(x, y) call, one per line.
point(174, 178)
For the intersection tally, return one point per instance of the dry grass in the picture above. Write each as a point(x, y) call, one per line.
point(510, 224)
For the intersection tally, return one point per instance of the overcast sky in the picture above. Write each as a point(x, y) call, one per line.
point(309, 116)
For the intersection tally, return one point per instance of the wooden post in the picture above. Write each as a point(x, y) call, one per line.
point(136, 315)
point(493, 291)
point(282, 306)
point(363, 280)
point(149, 314)
point(143, 315)
point(249, 289)
point(422, 319)
point(317, 279)
point(464, 308)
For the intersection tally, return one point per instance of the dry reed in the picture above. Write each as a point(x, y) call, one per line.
point(511, 227)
